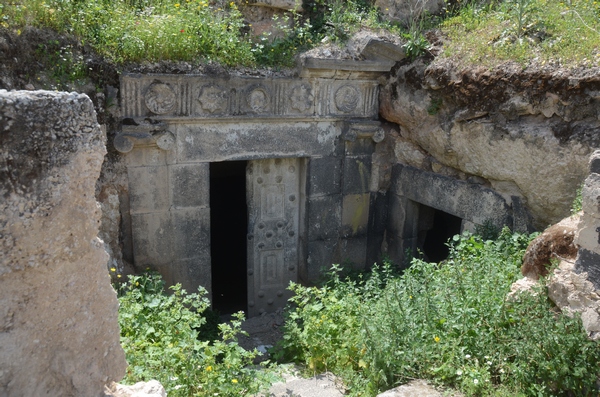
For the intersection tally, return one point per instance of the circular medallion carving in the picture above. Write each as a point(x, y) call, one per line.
point(123, 144)
point(301, 98)
point(213, 98)
point(258, 100)
point(160, 98)
point(346, 98)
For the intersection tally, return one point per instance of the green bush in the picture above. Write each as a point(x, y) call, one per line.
point(450, 323)
point(160, 338)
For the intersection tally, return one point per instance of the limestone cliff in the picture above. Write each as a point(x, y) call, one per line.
point(524, 133)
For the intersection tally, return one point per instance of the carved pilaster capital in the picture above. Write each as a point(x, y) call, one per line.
point(363, 130)
point(144, 135)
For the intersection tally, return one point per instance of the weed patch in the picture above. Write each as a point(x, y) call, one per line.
point(449, 322)
point(159, 333)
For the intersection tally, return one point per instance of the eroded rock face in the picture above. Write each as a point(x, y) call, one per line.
point(59, 334)
point(520, 131)
point(407, 11)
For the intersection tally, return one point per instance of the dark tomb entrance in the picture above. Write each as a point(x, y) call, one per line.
point(228, 228)
point(436, 228)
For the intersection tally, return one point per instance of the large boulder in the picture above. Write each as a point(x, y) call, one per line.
point(556, 242)
point(59, 334)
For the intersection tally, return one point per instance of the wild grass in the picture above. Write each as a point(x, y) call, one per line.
point(527, 31)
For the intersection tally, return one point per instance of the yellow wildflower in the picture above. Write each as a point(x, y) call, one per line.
point(436, 339)
point(234, 381)
point(209, 368)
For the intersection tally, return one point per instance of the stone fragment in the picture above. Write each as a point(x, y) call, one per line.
point(556, 242)
point(152, 388)
point(417, 388)
point(287, 5)
point(407, 11)
point(59, 334)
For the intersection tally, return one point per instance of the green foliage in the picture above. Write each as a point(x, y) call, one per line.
point(151, 30)
point(160, 338)
point(562, 33)
point(190, 30)
point(434, 106)
point(450, 323)
point(62, 63)
point(487, 231)
point(416, 44)
point(578, 201)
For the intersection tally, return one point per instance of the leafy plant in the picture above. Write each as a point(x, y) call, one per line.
point(160, 338)
point(416, 44)
point(450, 323)
point(578, 201)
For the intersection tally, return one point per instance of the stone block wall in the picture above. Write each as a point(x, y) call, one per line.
point(59, 334)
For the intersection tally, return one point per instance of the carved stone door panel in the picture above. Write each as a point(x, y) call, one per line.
point(273, 190)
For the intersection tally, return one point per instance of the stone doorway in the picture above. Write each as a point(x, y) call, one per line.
point(435, 229)
point(228, 225)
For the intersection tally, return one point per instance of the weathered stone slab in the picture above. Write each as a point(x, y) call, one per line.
point(353, 251)
point(219, 142)
point(357, 175)
point(589, 262)
point(191, 232)
point(324, 217)
point(402, 227)
point(359, 147)
point(190, 185)
point(355, 214)
point(193, 272)
point(378, 214)
point(321, 255)
point(324, 176)
point(148, 189)
point(148, 156)
point(468, 201)
point(153, 242)
point(59, 334)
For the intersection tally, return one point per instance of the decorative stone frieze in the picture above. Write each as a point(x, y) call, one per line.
point(174, 97)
